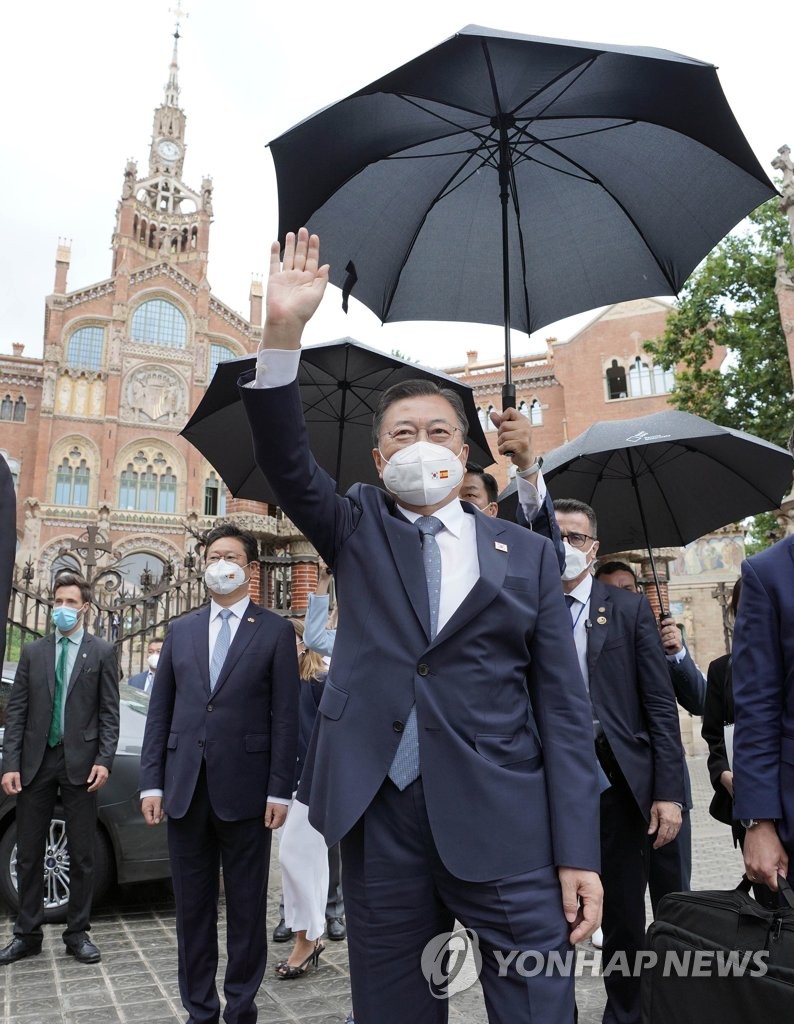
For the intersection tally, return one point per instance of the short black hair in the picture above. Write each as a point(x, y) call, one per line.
point(488, 482)
point(573, 505)
point(416, 388)
point(246, 538)
point(609, 567)
point(72, 579)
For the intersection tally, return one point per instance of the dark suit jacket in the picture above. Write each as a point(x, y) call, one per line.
point(509, 782)
point(138, 680)
point(717, 710)
point(690, 692)
point(632, 695)
point(763, 690)
point(246, 729)
point(8, 544)
point(91, 710)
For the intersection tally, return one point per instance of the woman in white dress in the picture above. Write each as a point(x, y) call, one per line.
point(303, 855)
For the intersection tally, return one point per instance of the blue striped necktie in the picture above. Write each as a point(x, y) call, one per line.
point(405, 766)
point(221, 647)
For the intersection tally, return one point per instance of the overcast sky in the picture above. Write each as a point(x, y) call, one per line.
point(80, 81)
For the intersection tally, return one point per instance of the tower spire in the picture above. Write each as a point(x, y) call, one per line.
point(172, 87)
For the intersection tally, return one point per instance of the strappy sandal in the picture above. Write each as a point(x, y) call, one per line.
point(287, 972)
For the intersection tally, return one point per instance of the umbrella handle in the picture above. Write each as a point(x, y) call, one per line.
point(508, 396)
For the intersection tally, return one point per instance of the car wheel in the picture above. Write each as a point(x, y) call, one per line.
point(56, 869)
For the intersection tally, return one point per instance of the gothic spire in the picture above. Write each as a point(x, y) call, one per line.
point(172, 88)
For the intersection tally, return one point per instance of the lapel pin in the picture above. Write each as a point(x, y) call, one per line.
point(601, 620)
point(251, 618)
point(499, 546)
point(85, 655)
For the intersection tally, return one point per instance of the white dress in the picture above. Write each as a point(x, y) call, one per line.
point(303, 857)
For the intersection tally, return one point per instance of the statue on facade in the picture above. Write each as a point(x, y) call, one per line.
point(130, 175)
point(206, 196)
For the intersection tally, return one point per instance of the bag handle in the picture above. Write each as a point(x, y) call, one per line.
point(783, 888)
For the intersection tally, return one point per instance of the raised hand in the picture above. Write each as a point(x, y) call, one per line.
point(294, 289)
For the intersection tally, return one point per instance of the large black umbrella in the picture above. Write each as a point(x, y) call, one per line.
point(502, 178)
point(340, 382)
point(666, 479)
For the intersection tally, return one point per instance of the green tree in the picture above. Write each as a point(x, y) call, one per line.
point(730, 301)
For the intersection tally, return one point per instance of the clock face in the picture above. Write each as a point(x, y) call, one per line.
point(168, 149)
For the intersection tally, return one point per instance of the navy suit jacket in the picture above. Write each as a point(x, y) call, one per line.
point(763, 690)
point(632, 695)
point(690, 692)
point(246, 729)
point(505, 744)
point(138, 680)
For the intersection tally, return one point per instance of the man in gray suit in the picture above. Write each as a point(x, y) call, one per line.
point(62, 727)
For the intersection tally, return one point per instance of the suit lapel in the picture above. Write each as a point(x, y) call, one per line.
point(201, 645)
point(406, 549)
point(49, 659)
point(248, 626)
point(600, 608)
point(80, 661)
point(493, 568)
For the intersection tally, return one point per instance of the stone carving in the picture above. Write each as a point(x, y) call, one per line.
point(784, 163)
point(153, 395)
point(130, 173)
point(206, 195)
point(48, 391)
point(116, 345)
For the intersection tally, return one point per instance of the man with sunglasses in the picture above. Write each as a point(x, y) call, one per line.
point(637, 742)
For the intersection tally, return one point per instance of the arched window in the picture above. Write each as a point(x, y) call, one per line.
point(20, 407)
point(148, 486)
point(616, 381)
point(72, 480)
point(214, 496)
point(640, 378)
point(84, 350)
point(158, 322)
point(488, 421)
point(663, 380)
point(536, 413)
point(217, 355)
point(482, 415)
point(65, 563)
point(7, 408)
point(523, 409)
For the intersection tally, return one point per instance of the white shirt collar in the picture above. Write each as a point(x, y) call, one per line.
point(237, 609)
point(582, 590)
point(451, 516)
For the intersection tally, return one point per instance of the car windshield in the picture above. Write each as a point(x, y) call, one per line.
point(133, 698)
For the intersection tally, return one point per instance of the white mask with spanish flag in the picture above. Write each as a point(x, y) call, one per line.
point(423, 473)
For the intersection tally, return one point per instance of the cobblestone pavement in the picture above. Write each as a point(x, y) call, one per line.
point(136, 980)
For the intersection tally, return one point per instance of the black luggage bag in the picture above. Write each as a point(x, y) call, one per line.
point(720, 956)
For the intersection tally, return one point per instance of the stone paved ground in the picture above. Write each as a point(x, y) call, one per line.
point(136, 981)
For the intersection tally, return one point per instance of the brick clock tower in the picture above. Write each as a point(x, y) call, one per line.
point(93, 431)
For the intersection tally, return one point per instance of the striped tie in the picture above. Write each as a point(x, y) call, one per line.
point(405, 766)
point(221, 647)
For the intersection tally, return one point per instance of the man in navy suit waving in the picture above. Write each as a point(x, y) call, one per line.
point(219, 759)
point(452, 754)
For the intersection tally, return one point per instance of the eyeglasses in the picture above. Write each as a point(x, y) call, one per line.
point(438, 433)
point(576, 540)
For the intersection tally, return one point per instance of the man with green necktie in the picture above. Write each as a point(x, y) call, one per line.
point(62, 727)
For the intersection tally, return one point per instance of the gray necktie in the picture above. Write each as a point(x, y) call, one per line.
point(221, 647)
point(405, 766)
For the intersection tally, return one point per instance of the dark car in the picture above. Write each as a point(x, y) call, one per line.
point(127, 849)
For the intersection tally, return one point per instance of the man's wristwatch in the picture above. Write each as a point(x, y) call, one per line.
point(531, 470)
point(749, 823)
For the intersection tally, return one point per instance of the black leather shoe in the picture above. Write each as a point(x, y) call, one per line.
point(281, 933)
point(18, 949)
point(84, 951)
point(335, 928)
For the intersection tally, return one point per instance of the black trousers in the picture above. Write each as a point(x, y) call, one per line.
point(35, 806)
point(198, 845)
point(671, 865)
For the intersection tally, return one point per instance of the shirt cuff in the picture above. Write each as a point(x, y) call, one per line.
point(676, 658)
point(275, 367)
point(278, 800)
point(150, 792)
point(531, 496)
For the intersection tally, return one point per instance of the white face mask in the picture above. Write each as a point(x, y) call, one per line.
point(423, 473)
point(223, 577)
point(152, 661)
point(575, 561)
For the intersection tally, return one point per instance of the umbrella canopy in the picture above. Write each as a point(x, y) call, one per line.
point(516, 180)
point(341, 383)
point(666, 479)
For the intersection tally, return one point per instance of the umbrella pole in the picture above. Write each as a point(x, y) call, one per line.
point(663, 613)
point(508, 388)
point(344, 387)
